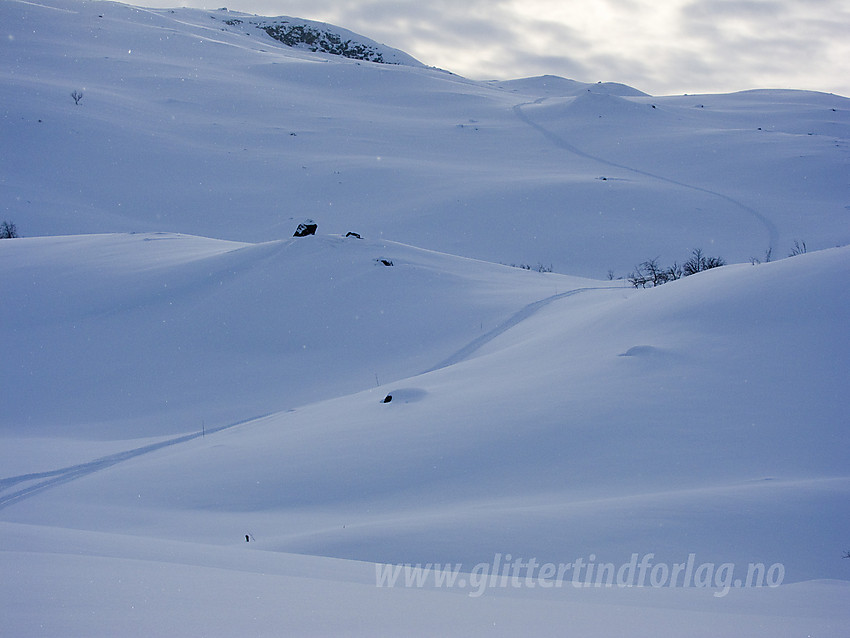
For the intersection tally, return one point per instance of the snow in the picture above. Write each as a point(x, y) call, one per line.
point(181, 372)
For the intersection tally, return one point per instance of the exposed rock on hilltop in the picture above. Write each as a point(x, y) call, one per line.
point(318, 37)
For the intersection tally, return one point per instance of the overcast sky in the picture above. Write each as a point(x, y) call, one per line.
point(659, 46)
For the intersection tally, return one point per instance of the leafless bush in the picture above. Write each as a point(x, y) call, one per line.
point(699, 262)
point(649, 274)
point(799, 248)
point(8, 230)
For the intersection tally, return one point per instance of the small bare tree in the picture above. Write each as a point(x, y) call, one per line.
point(77, 96)
point(8, 230)
point(768, 256)
point(638, 279)
point(649, 273)
point(799, 248)
point(674, 272)
point(657, 273)
point(699, 262)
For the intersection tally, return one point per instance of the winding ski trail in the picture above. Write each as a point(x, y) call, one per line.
point(37, 482)
point(557, 140)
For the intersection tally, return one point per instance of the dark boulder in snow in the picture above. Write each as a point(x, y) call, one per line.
point(308, 227)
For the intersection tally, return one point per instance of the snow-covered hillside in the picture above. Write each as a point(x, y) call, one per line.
point(188, 124)
point(214, 428)
point(155, 334)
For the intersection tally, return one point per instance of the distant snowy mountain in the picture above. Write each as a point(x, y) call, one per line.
point(554, 86)
point(437, 415)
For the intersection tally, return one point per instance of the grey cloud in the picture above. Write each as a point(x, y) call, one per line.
point(478, 39)
point(673, 47)
point(733, 8)
point(777, 43)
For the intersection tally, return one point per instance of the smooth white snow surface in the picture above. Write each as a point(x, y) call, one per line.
point(168, 395)
point(193, 126)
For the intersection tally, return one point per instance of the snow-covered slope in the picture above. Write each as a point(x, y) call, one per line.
point(188, 124)
point(703, 417)
point(182, 375)
point(616, 407)
point(152, 334)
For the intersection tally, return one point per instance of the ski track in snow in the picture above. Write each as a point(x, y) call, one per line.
point(557, 140)
point(53, 478)
point(64, 475)
point(44, 6)
point(515, 319)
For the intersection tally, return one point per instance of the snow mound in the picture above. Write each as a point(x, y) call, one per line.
point(138, 335)
point(407, 395)
point(555, 86)
point(543, 425)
